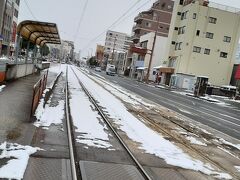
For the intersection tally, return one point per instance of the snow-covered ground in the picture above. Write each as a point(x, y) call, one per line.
point(17, 158)
point(122, 93)
point(93, 131)
point(2, 87)
point(49, 115)
point(143, 135)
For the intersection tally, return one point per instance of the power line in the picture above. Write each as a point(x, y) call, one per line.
point(30, 10)
point(115, 22)
point(81, 18)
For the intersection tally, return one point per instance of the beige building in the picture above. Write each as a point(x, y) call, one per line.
point(203, 39)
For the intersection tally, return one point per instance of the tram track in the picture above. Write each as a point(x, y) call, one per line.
point(179, 140)
point(138, 165)
point(75, 170)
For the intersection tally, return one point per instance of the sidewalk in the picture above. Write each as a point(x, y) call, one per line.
point(15, 107)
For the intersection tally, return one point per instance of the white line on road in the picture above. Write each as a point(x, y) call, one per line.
point(174, 102)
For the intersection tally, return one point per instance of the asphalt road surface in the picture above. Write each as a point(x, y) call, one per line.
point(225, 119)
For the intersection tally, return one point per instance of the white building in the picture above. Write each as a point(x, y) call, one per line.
point(203, 40)
point(115, 42)
point(158, 54)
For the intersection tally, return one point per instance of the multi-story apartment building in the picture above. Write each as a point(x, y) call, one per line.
point(157, 18)
point(8, 24)
point(115, 42)
point(203, 40)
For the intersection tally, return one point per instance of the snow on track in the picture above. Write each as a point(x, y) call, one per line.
point(139, 132)
point(88, 122)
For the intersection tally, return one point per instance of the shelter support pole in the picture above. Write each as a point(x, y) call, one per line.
point(17, 48)
point(26, 58)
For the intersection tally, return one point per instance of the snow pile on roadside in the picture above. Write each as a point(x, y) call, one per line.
point(151, 142)
point(193, 140)
point(238, 168)
point(2, 87)
point(92, 129)
point(17, 156)
point(223, 141)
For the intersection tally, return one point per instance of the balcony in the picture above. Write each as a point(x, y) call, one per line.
point(142, 16)
point(136, 27)
point(135, 38)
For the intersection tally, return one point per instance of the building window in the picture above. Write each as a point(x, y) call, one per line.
point(223, 54)
point(181, 30)
point(16, 13)
point(176, 28)
point(181, 2)
point(163, 5)
point(209, 35)
point(196, 49)
point(180, 46)
point(227, 39)
point(212, 20)
point(194, 15)
point(17, 2)
point(148, 24)
point(184, 15)
point(206, 51)
point(176, 46)
point(179, 13)
point(144, 44)
point(198, 33)
point(173, 42)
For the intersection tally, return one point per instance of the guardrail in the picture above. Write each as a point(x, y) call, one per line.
point(38, 89)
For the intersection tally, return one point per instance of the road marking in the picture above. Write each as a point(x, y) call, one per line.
point(183, 97)
point(222, 114)
point(188, 107)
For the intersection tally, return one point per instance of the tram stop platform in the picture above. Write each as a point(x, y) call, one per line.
point(15, 108)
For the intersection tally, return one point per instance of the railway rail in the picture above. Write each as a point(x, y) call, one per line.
point(72, 149)
point(188, 146)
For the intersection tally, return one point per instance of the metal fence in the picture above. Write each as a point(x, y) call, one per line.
point(38, 89)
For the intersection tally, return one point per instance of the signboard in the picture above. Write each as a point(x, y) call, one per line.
point(237, 75)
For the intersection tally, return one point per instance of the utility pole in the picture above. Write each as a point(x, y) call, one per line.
point(152, 50)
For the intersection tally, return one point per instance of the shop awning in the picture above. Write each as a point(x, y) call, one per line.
point(157, 67)
point(237, 75)
point(39, 33)
point(166, 70)
point(141, 68)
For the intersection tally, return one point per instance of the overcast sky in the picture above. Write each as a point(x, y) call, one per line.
point(98, 16)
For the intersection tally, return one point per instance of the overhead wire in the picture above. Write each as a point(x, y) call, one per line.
point(29, 9)
point(114, 23)
point(81, 19)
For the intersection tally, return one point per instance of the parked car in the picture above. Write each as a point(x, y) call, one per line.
point(98, 69)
